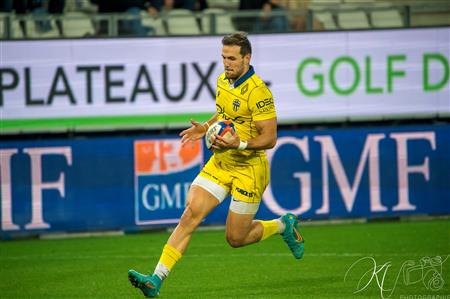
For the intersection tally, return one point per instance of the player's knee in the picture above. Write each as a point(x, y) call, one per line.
point(235, 241)
point(190, 218)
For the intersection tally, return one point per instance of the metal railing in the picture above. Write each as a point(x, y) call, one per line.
point(14, 26)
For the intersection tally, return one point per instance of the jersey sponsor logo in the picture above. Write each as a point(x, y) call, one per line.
point(244, 192)
point(244, 89)
point(221, 112)
point(236, 104)
point(265, 105)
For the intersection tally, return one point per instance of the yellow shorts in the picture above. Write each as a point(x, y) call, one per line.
point(245, 183)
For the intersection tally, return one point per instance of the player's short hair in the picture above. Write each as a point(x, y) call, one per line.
point(240, 39)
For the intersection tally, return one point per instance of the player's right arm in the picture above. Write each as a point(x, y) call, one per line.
point(197, 130)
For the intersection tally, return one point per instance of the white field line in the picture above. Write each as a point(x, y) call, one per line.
point(214, 256)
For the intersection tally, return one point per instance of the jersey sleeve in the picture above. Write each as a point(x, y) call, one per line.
point(261, 104)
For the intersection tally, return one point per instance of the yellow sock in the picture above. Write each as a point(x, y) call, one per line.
point(169, 257)
point(270, 228)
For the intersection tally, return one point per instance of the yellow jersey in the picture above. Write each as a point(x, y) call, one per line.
point(245, 101)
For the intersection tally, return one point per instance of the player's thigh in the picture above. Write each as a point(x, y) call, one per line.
point(249, 183)
point(214, 179)
point(199, 203)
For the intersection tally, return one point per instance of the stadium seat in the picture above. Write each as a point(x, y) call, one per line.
point(34, 32)
point(16, 30)
point(359, 2)
point(366, 5)
point(224, 25)
point(329, 3)
point(225, 4)
point(182, 22)
point(386, 18)
point(77, 24)
point(353, 20)
point(3, 19)
point(327, 20)
point(155, 23)
point(86, 6)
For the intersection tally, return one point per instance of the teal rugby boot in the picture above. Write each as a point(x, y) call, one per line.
point(291, 235)
point(149, 284)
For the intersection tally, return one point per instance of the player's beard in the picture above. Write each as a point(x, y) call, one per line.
point(233, 76)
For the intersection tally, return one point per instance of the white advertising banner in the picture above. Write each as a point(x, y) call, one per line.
point(161, 82)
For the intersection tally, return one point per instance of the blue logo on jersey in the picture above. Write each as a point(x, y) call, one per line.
point(221, 111)
point(236, 104)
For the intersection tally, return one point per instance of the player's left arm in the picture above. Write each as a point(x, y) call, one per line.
point(267, 138)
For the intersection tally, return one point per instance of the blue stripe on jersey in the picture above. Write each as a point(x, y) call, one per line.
point(247, 75)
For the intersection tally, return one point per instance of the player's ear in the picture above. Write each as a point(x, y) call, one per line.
point(247, 58)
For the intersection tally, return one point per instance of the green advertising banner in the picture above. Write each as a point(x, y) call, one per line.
point(109, 84)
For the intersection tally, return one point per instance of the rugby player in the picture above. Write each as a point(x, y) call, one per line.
point(239, 167)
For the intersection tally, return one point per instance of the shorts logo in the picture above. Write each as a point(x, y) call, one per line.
point(236, 104)
point(244, 192)
point(163, 172)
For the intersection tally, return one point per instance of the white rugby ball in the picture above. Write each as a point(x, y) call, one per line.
point(223, 128)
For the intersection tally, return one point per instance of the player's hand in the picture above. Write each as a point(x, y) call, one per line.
point(220, 143)
point(195, 132)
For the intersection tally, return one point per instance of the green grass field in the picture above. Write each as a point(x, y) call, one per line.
point(97, 267)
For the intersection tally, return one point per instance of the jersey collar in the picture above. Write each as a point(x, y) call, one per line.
point(247, 75)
